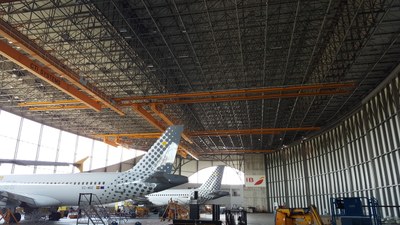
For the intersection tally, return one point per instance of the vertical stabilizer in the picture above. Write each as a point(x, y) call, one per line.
point(213, 183)
point(161, 155)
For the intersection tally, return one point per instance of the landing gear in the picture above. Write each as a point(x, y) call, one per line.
point(8, 216)
point(54, 216)
point(16, 216)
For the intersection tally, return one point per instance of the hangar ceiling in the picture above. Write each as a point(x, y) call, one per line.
point(242, 76)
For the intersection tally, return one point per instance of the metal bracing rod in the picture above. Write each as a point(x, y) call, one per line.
point(239, 151)
point(287, 62)
point(240, 91)
point(190, 42)
point(212, 32)
point(166, 43)
point(395, 40)
point(54, 64)
point(199, 124)
point(210, 138)
point(137, 38)
point(240, 39)
point(306, 72)
point(291, 42)
point(217, 99)
point(195, 54)
point(222, 119)
point(336, 54)
point(106, 54)
point(94, 52)
point(264, 70)
point(358, 54)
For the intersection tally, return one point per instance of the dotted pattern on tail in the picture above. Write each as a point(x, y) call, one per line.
point(212, 184)
point(160, 157)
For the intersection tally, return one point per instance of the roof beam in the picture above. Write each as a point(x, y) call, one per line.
point(241, 151)
point(239, 91)
point(58, 102)
point(45, 74)
point(153, 121)
point(314, 90)
point(227, 99)
point(147, 116)
point(59, 107)
point(250, 131)
point(154, 108)
point(215, 132)
point(57, 66)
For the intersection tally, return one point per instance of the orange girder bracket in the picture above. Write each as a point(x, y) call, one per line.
point(35, 51)
point(250, 131)
point(146, 115)
point(144, 135)
point(241, 151)
point(58, 107)
point(168, 121)
point(58, 102)
point(45, 74)
point(243, 98)
point(110, 142)
point(239, 91)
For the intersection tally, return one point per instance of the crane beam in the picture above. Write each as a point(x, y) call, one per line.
point(41, 55)
point(45, 74)
point(238, 91)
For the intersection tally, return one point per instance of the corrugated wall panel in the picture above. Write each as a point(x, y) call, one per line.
point(358, 157)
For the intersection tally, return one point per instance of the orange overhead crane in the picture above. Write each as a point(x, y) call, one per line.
point(210, 96)
point(186, 150)
point(237, 151)
point(49, 66)
point(214, 132)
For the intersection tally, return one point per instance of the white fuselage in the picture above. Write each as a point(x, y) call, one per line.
point(181, 196)
point(64, 189)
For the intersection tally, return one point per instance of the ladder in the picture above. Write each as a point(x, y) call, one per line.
point(91, 211)
point(8, 217)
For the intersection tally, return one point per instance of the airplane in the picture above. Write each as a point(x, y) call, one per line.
point(77, 164)
point(151, 174)
point(207, 191)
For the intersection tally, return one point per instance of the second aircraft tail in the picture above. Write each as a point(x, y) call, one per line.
point(211, 188)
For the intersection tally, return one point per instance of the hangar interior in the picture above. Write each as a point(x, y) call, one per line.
point(305, 93)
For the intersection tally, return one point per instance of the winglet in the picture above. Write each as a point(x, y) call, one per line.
point(79, 164)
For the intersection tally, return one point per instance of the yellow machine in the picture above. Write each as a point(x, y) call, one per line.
point(298, 216)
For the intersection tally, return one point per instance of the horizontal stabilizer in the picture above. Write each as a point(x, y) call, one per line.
point(218, 194)
point(165, 180)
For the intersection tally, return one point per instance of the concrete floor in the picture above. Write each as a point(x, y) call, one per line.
point(252, 219)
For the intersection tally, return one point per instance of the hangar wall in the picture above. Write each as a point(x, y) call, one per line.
point(357, 157)
point(254, 196)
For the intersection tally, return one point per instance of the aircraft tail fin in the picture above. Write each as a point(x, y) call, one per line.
point(161, 155)
point(79, 164)
point(214, 181)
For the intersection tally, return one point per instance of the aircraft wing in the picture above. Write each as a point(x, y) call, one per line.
point(33, 163)
point(9, 196)
point(30, 200)
point(78, 164)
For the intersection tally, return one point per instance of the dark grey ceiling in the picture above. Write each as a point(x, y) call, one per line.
point(129, 48)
